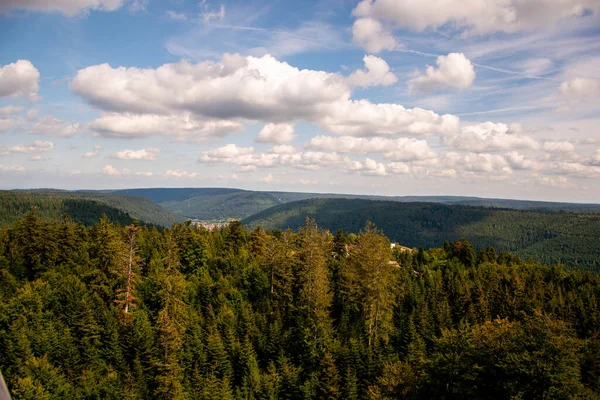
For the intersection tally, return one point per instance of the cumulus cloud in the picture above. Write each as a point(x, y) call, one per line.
point(180, 126)
point(93, 153)
point(363, 118)
point(37, 147)
point(66, 7)
point(234, 91)
point(283, 149)
point(454, 70)
point(50, 126)
point(580, 88)
point(249, 160)
point(557, 146)
point(6, 117)
point(8, 111)
point(489, 136)
point(227, 152)
point(521, 162)
point(595, 159)
point(266, 179)
point(575, 169)
point(371, 35)
point(176, 173)
point(554, 181)
point(11, 168)
point(376, 73)
point(476, 17)
point(143, 154)
point(112, 171)
point(485, 163)
point(403, 149)
point(276, 133)
point(19, 79)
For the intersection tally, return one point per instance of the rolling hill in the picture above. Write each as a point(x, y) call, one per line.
point(224, 203)
point(54, 203)
point(549, 237)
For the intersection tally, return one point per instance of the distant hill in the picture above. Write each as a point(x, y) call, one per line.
point(14, 205)
point(54, 203)
point(215, 203)
point(549, 237)
point(223, 203)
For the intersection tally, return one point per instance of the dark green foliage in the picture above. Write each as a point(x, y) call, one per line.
point(231, 314)
point(225, 203)
point(547, 237)
point(84, 207)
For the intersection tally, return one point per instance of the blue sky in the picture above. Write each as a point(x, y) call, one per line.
point(489, 98)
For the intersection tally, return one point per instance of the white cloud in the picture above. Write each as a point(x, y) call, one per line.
point(249, 161)
point(283, 149)
point(307, 182)
point(11, 168)
point(37, 147)
point(144, 173)
point(371, 35)
point(180, 126)
point(398, 168)
point(580, 88)
point(237, 90)
point(363, 118)
point(32, 114)
point(180, 174)
point(267, 179)
point(485, 163)
point(402, 149)
point(454, 70)
point(66, 7)
point(8, 111)
point(376, 73)
point(489, 136)
point(475, 17)
point(19, 79)
point(576, 169)
point(143, 154)
point(36, 158)
point(93, 153)
point(558, 147)
point(50, 126)
point(6, 117)
point(555, 181)
point(112, 171)
point(276, 133)
point(227, 152)
point(595, 159)
point(522, 162)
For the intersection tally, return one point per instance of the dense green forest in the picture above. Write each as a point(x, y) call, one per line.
point(225, 203)
point(113, 312)
point(86, 207)
point(14, 207)
point(549, 237)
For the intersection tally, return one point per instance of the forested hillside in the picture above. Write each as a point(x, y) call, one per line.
point(13, 206)
point(549, 237)
point(225, 203)
point(113, 312)
point(86, 207)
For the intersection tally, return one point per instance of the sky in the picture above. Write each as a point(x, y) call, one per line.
point(489, 98)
